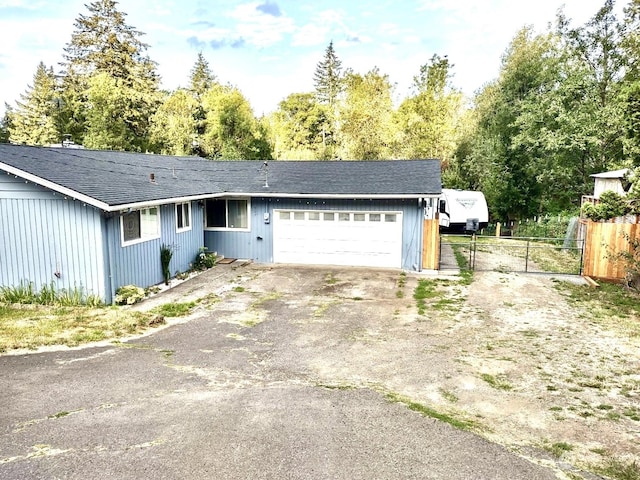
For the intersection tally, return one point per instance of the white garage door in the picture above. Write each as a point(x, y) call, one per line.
point(371, 239)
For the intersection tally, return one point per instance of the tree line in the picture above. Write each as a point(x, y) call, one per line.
point(565, 104)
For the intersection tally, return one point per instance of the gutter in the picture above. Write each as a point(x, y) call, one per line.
point(162, 201)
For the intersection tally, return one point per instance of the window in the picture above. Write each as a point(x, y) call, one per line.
point(390, 217)
point(314, 216)
point(358, 217)
point(183, 216)
point(328, 217)
point(298, 215)
point(285, 215)
point(374, 217)
point(227, 214)
point(344, 217)
point(140, 225)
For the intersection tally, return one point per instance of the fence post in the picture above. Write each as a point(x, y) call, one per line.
point(526, 258)
point(498, 229)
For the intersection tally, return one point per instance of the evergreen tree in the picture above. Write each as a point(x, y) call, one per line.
point(102, 43)
point(328, 77)
point(34, 120)
point(201, 81)
point(202, 78)
point(5, 124)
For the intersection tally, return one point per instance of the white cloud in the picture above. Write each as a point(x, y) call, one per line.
point(259, 28)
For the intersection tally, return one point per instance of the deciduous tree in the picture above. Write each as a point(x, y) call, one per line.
point(367, 130)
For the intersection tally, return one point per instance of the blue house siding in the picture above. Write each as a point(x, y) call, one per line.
point(43, 234)
point(139, 264)
point(257, 244)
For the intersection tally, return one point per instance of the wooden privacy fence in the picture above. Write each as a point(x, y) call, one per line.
point(602, 244)
point(431, 244)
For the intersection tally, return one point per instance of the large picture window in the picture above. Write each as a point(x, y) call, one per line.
point(140, 225)
point(230, 214)
point(183, 217)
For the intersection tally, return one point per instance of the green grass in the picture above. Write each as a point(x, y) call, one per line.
point(619, 469)
point(425, 411)
point(610, 303)
point(497, 382)
point(559, 448)
point(33, 326)
point(25, 294)
point(425, 289)
point(178, 309)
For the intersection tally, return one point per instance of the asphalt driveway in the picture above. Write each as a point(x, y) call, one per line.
point(271, 378)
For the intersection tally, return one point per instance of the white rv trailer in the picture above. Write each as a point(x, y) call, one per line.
point(463, 211)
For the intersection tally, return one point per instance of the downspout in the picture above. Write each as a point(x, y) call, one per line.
point(110, 262)
point(421, 207)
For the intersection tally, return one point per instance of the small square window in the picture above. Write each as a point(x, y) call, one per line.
point(314, 216)
point(285, 215)
point(358, 217)
point(390, 217)
point(330, 217)
point(344, 217)
point(374, 217)
point(298, 215)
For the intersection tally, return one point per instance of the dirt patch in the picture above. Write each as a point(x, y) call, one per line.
point(573, 379)
point(507, 352)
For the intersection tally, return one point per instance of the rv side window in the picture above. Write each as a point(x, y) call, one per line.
point(443, 206)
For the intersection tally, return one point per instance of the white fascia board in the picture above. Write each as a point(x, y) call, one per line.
point(333, 196)
point(53, 186)
point(161, 201)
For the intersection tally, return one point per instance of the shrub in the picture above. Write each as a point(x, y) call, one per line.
point(166, 252)
point(129, 294)
point(204, 259)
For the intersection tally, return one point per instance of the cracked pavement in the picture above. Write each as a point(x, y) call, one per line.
point(276, 376)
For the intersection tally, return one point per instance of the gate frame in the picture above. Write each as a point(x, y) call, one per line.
point(473, 247)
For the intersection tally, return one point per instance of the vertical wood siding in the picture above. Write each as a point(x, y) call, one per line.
point(139, 264)
point(257, 244)
point(604, 244)
point(42, 233)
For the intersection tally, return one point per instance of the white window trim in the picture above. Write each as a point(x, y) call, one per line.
point(142, 238)
point(228, 229)
point(187, 228)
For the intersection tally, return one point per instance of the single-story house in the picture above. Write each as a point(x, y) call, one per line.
point(96, 219)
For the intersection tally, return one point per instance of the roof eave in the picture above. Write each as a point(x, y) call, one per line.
point(29, 177)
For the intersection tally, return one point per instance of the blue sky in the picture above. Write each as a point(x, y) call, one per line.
point(270, 48)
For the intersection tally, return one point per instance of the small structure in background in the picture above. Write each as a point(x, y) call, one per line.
point(614, 180)
point(608, 242)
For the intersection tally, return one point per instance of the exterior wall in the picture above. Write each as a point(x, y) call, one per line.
point(604, 184)
point(42, 234)
point(257, 244)
point(139, 264)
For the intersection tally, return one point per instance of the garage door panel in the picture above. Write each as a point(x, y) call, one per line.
point(338, 238)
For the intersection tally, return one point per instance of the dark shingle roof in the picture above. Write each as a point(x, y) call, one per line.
point(122, 178)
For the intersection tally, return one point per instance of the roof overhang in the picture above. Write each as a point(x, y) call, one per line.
point(161, 201)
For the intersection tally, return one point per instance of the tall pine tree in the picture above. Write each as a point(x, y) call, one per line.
point(328, 77)
point(103, 44)
point(34, 120)
point(328, 83)
point(201, 78)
